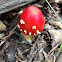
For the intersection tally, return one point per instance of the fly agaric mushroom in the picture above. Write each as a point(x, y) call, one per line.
point(31, 22)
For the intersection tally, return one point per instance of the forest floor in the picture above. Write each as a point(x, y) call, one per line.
point(45, 47)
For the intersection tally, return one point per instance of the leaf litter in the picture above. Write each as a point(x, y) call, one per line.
point(44, 47)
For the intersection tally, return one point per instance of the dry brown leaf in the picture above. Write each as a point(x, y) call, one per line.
point(56, 35)
point(59, 59)
point(50, 58)
point(2, 26)
point(48, 27)
point(1, 35)
point(56, 23)
point(2, 1)
point(57, 1)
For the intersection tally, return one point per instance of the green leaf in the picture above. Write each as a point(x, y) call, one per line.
point(59, 49)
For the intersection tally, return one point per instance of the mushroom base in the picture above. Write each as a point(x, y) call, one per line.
point(27, 37)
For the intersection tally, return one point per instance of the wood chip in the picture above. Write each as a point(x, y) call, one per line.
point(2, 26)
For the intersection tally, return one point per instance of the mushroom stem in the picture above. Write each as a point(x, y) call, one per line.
point(27, 37)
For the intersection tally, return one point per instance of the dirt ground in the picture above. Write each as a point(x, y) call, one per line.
point(45, 47)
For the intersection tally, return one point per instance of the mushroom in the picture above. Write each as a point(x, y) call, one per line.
point(31, 22)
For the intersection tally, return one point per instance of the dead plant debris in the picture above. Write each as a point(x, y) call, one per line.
point(15, 48)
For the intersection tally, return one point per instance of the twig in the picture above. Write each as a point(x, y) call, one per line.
point(54, 48)
point(19, 59)
point(30, 57)
point(53, 10)
point(33, 56)
point(42, 49)
point(25, 51)
point(13, 29)
point(4, 38)
point(54, 58)
point(11, 32)
point(45, 54)
point(33, 47)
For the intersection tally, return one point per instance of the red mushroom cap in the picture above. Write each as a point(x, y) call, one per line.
point(31, 21)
